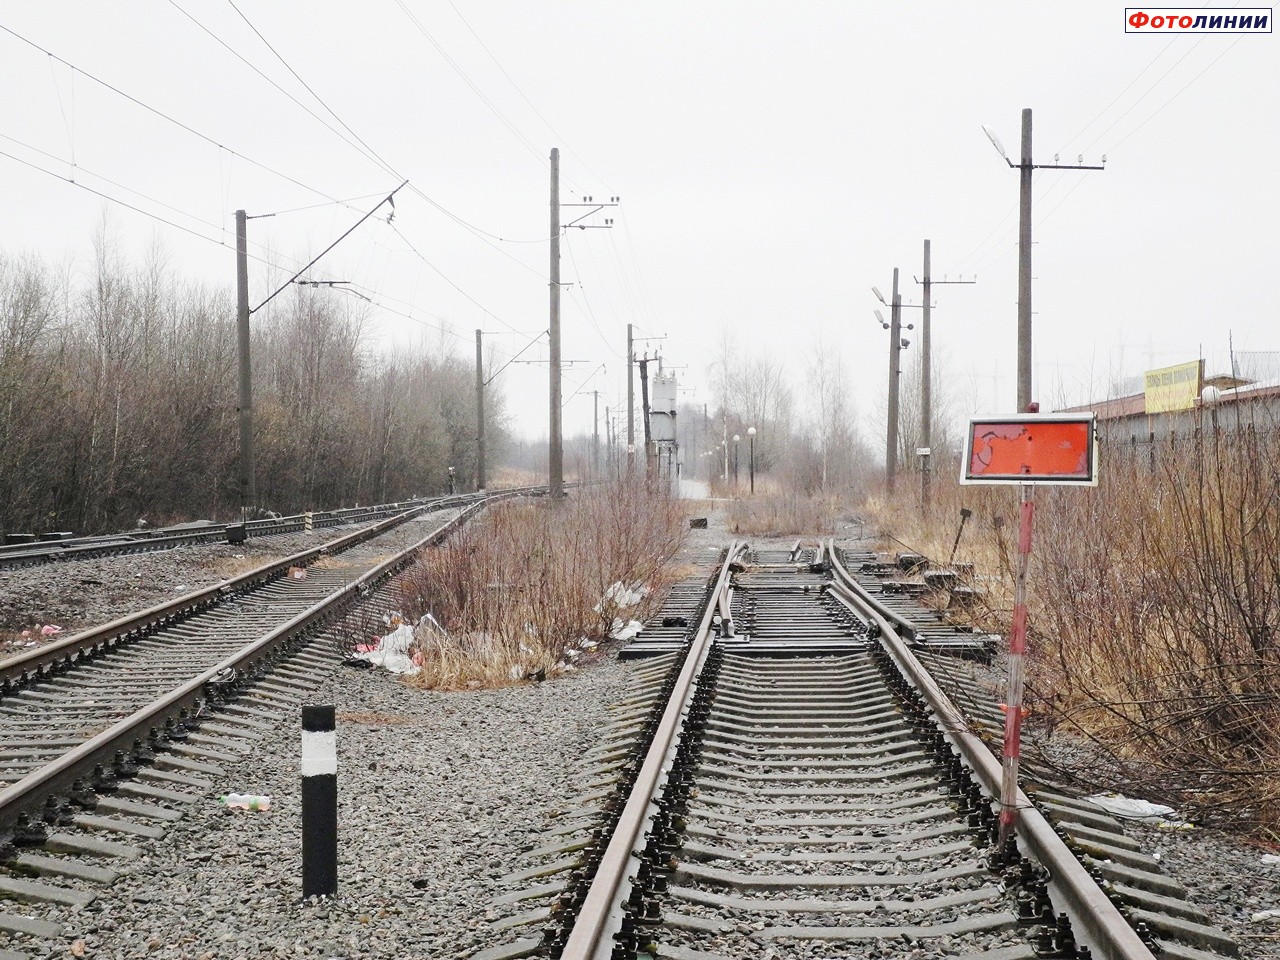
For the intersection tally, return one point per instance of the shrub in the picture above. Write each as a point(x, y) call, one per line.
point(515, 593)
point(1155, 609)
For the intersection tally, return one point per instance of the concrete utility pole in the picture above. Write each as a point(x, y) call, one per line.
point(926, 374)
point(895, 350)
point(1024, 266)
point(595, 434)
point(248, 487)
point(555, 459)
point(631, 393)
point(1025, 168)
point(480, 478)
point(644, 401)
point(926, 385)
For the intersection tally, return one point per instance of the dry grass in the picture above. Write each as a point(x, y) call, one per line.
point(228, 567)
point(784, 516)
point(1155, 611)
point(516, 592)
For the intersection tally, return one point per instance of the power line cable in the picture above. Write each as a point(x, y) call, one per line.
point(516, 87)
point(164, 116)
point(1127, 87)
point(388, 199)
point(373, 153)
point(591, 314)
point(523, 140)
point(1176, 95)
point(446, 279)
point(1148, 92)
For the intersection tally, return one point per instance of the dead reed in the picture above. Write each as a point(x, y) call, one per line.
point(1155, 610)
point(790, 515)
point(522, 592)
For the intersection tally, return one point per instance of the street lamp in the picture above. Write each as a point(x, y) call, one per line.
point(736, 438)
point(751, 435)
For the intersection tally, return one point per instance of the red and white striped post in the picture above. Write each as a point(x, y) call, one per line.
point(1017, 672)
point(1025, 450)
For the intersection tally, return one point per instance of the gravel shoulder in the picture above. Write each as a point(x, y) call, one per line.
point(438, 794)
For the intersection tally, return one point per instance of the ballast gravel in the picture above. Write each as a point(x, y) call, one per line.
point(439, 793)
point(77, 594)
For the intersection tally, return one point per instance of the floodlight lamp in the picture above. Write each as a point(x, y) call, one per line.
point(879, 295)
point(995, 141)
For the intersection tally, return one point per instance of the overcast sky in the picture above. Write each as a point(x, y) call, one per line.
point(774, 160)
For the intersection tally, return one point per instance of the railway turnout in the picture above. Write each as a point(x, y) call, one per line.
point(794, 777)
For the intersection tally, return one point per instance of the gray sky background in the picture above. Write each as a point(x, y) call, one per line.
point(774, 161)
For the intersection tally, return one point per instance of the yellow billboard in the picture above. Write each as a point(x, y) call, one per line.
point(1173, 388)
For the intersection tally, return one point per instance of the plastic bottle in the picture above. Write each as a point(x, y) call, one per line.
point(245, 801)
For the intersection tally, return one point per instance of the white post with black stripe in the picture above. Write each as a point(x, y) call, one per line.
point(319, 803)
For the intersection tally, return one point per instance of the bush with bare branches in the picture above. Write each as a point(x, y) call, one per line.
point(1155, 609)
point(514, 594)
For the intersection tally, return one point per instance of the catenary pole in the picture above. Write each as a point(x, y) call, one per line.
point(595, 433)
point(1024, 266)
point(895, 349)
point(555, 464)
point(926, 386)
point(480, 477)
point(631, 394)
point(248, 486)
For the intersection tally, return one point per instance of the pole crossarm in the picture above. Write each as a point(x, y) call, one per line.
point(389, 198)
point(516, 357)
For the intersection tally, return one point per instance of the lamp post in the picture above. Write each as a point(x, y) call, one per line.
point(736, 438)
point(751, 435)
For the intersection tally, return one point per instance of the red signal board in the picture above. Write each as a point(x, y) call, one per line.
point(1042, 449)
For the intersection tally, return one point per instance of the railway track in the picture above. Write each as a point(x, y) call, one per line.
point(105, 735)
point(26, 550)
point(790, 781)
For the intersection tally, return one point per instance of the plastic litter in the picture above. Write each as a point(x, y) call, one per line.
point(245, 801)
point(391, 652)
point(619, 595)
point(625, 630)
point(1130, 809)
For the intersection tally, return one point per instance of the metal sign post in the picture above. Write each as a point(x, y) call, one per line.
point(1025, 450)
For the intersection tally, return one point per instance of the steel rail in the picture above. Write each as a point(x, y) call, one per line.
point(1107, 932)
point(138, 541)
point(30, 794)
point(65, 651)
point(588, 938)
